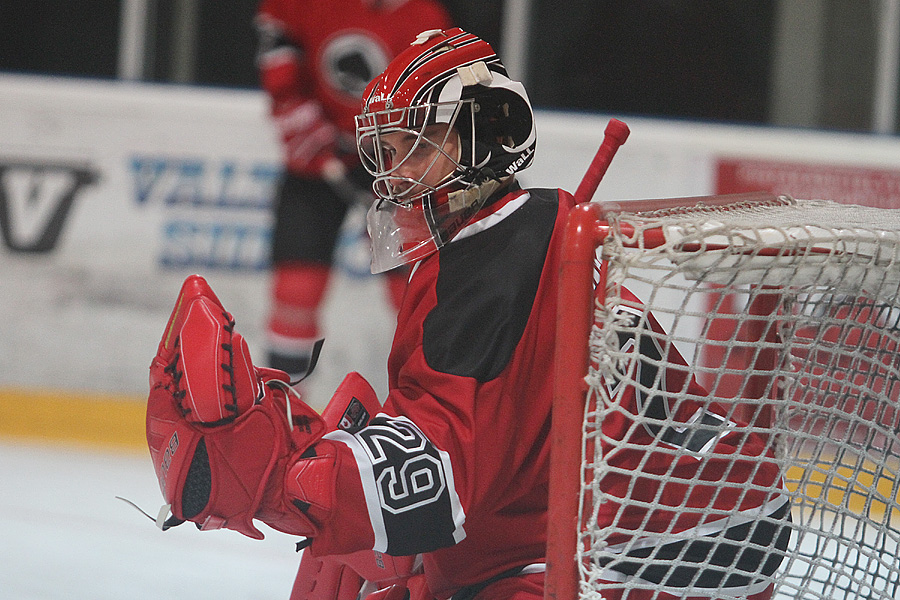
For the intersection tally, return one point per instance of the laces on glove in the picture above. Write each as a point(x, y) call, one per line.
point(219, 428)
point(162, 516)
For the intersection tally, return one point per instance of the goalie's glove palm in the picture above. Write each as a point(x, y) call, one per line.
point(223, 433)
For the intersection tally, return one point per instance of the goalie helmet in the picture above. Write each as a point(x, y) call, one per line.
point(466, 129)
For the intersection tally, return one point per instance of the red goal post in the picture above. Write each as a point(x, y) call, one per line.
point(786, 367)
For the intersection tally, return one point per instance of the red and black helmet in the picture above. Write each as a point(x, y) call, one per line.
point(445, 77)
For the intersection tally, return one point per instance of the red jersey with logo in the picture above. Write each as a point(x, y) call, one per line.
point(456, 468)
point(333, 49)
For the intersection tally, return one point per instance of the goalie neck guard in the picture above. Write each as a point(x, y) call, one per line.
point(452, 100)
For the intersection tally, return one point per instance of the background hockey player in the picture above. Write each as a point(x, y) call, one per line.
point(315, 59)
point(444, 491)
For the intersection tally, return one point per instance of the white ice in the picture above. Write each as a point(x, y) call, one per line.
point(64, 535)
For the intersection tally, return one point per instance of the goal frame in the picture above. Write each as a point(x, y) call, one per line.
point(586, 230)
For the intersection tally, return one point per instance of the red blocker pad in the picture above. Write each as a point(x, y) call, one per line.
point(352, 406)
point(311, 480)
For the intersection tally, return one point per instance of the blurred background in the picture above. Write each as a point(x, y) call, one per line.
point(810, 63)
point(136, 148)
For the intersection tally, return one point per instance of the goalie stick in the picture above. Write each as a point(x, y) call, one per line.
point(614, 135)
point(335, 175)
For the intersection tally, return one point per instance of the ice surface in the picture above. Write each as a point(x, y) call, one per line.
point(64, 535)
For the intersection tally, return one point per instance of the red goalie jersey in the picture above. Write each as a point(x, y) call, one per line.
point(457, 467)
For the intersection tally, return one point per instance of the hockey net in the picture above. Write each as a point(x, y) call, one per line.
point(786, 314)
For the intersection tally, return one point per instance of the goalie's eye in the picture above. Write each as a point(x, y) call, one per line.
point(197, 484)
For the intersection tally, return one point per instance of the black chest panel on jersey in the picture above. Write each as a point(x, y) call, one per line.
point(485, 291)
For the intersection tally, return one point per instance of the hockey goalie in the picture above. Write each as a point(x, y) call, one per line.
point(441, 491)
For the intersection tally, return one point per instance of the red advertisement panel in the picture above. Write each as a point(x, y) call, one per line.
point(844, 184)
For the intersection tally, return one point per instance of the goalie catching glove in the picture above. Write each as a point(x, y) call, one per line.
point(231, 442)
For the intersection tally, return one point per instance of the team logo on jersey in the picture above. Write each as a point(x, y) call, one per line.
point(641, 360)
point(35, 200)
point(349, 61)
point(355, 416)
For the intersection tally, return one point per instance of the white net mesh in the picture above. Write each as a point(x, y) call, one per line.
point(742, 431)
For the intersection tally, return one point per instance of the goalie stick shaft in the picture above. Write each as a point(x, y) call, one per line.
point(334, 173)
point(614, 136)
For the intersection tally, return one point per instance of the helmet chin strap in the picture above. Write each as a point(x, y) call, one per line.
point(470, 195)
point(487, 183)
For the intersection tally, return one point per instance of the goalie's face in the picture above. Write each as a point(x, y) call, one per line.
point(409, 164)
point(415, 175)
point(423, 162)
